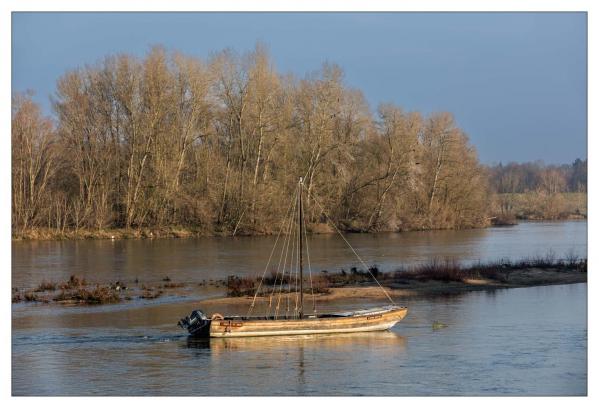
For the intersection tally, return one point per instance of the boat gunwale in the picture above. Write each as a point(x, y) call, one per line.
point(324, 316)
point(330, 324)
point(346, 324)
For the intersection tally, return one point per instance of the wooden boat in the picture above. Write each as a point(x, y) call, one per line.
point(198, 324)
point(374, 319)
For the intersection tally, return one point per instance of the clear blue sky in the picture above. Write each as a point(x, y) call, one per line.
point(516, 82)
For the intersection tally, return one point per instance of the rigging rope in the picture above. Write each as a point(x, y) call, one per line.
point(291, 233)
point(283, 271)
point(352, 248)
point(296, 275)
point(291, 204)
point(292, 239)
point(309, 269)
point(285, 245)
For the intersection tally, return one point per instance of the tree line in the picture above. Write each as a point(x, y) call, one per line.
point(537, 176)
point(218, 146)
point(538, 191)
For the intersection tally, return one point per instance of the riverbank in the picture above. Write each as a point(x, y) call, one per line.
point(538, 206)
point(435, 278)
point(48, 234)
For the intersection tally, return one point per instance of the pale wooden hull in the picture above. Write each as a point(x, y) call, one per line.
point(370, 321)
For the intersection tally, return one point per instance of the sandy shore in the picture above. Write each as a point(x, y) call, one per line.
point(415, 288)
point(84, 293)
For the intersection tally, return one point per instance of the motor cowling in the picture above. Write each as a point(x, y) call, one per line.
point(197, 316)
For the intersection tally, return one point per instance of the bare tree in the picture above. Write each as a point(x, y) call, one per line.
point(167, 140)
point(33, 157)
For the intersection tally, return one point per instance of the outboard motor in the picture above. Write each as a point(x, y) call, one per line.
point(197, 324)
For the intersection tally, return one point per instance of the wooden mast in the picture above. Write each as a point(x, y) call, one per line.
point(301, 234)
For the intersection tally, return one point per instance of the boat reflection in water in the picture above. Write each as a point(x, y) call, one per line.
point(336, 341)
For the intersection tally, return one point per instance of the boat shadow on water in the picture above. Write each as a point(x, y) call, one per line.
point(330, 341)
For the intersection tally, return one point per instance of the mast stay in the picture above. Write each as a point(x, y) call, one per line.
point(301, 230)
point(291, 234)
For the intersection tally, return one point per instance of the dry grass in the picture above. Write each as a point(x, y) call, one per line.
point(97, 295)
point(240, 286)
point(355, 276)
point(151, 294)
point(320, 285)
point(453, 271)
point(30, 297)
point(41, 233)
point(276, 278)
point(542, 206)
point(173, 285)
point(246, 286)
point(504, 220)
point(74, 282)
point(46, 287)
point(535, 270)
point(443, 271)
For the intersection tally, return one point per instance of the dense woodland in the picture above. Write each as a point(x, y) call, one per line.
point(218, 146)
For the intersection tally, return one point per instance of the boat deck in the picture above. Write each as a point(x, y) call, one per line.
point(343, 322)
point(362, 312)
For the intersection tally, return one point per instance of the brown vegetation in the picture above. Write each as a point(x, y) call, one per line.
point(536, 176)
point(437, 276)
point(151, 294)
point(436, 270)
point(78, 290)
point(74, 282)
point(241, 286)
point(171, 285)
point(247, 286)
point(536, 191)
point(173, 144)
point(45, 286)
point(30, 297)
point(97, 295)
point(540, 205)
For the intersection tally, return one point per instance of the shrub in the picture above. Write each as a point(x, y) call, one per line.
point(98, 295)
point(73, 282)
point(171, 285)
point(45, 287)
point(30, 297)
point(151, 294)
point(240, 286)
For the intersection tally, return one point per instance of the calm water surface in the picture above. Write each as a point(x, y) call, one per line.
point(189, 260)
point(530, 341)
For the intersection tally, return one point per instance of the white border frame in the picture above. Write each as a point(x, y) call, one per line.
point(8, 6)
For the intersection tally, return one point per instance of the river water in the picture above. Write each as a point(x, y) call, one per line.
point(528, 341)
point(191, 260)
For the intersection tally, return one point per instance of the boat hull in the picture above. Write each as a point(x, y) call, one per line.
point(376, 320)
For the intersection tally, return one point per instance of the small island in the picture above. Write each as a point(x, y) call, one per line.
point(435, 278)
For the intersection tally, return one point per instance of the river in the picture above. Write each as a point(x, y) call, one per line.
point(528, 341)
point(191, 260)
